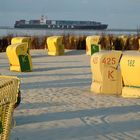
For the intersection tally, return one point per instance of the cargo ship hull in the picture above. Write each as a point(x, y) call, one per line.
point(100, 27)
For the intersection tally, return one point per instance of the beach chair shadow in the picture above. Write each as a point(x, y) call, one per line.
point(75, 52)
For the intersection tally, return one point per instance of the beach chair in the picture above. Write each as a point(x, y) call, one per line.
point(55, 45)
point(9, 89)
point(16, 40)
point(106, 75)
point(92, 45)
point(130, 69)
point(19, 58)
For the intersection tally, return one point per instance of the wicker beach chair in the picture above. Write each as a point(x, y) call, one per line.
point(9, 89)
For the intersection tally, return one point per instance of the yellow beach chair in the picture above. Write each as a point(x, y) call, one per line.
point(16, 40)
point(92, 45)
point(55, 45)
point(19, 58)
point(130, 69)
point(106, 75)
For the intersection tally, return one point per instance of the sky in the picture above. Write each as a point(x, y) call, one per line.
point(115, 13)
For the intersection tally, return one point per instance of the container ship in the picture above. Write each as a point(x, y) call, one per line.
point(44, 23)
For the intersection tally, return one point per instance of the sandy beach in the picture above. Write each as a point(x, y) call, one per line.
point(57, 103)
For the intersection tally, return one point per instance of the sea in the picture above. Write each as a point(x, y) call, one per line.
point(5, 31)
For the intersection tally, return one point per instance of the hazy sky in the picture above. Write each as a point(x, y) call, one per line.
point(115, 13)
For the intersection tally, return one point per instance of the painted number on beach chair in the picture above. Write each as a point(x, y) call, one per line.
point(131, 63)
point(109, 61)
point(95, 60)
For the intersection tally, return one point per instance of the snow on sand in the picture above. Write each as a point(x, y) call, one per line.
point(57, 103)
